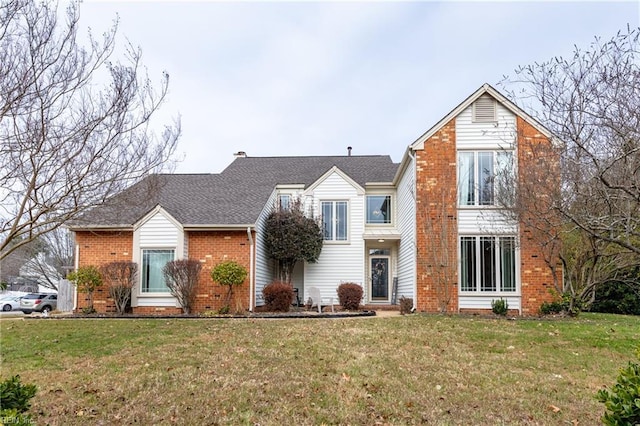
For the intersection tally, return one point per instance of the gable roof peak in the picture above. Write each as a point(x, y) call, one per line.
point(488, 89)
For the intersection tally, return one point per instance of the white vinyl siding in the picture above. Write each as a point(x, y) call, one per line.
point(339, 261)
point(497, 134)
point(158, 232)
point(406, 216)
point(265, 266)
point(485, 221)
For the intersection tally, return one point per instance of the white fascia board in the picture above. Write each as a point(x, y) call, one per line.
point(485, 88)
point(343, 175)
point(404, 163)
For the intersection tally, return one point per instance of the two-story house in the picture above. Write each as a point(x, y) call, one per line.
point(430, 227)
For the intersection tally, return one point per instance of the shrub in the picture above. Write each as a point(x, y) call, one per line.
point(350, 295)
point(548, 308)
point(120, 278)
point(87, 279)
point(622, 402)
point(16, 396)
point(500, 306)
point(181, 277)
point(278, 296)
point(406, 305)
point(618, 297)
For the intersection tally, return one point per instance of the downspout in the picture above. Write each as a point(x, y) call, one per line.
point(251, 269)
point(415, 229)
point(75, 290)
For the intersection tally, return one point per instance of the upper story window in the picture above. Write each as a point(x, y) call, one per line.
point(378, 209)
point(152, 263)
point(488, 264)
point(481, 174)
point(284, 201)
point(334, 220)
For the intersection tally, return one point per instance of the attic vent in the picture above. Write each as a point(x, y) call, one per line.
point(484, 110)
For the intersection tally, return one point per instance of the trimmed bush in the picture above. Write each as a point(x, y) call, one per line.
point(278, 296)
point(622, 401)
point(16, 396)
point(350, 295)
point(548, 308)
point(500, 306)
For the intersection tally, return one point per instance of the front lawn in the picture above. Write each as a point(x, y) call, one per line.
point(395, 370)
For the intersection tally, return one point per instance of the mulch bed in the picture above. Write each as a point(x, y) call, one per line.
point(249, 315)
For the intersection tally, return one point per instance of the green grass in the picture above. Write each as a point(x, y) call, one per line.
point(396, 370)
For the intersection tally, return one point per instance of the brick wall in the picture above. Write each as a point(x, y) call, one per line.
point(536, 161)
point(98, 248)
point(436, 216)
point(212, 248)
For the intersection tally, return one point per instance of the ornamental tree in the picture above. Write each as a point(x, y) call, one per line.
point(230, 274)
point(87, 279)
point(290, 237)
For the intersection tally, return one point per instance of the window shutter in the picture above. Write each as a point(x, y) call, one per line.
point(484, 110)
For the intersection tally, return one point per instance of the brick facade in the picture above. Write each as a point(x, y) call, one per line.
point(436, 222)
point(98, 248)
point(209, 247)
point(212, 248)
point(538, 159)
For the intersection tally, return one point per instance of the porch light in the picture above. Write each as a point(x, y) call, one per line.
point(381, 240)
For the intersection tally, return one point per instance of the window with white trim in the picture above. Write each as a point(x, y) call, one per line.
point(284, 202)
point(481, 173)
point(153, 260)
point(488, 264)
point(334, 220)
point(378, 209)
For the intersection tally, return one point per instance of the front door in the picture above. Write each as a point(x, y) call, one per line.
point(379, 277)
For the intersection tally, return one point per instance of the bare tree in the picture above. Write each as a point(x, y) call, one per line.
point(74, 126)
point(588, 217)
point(49, 258)
point(591, 102)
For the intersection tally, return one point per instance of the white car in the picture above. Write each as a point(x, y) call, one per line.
point(10, 303)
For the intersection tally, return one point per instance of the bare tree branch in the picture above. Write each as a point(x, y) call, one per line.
point(74, 126)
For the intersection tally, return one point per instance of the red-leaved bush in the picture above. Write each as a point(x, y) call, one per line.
point(350, 295)
point(278, 296)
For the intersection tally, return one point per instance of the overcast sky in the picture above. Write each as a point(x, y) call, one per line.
point(311, 78)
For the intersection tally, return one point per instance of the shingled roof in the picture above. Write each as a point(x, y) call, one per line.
point(234, 197)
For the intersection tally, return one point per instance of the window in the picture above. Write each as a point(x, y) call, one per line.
point(284, 202)
point(334, 220)
point(481, 174)
point(378, 209)
point(152, 263)
point(487, 264)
